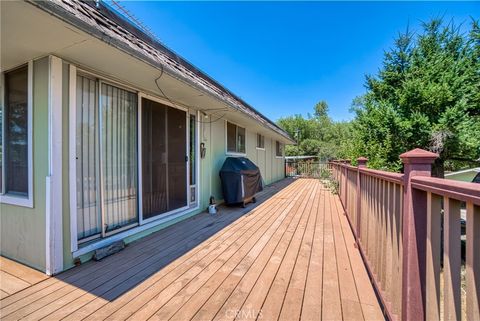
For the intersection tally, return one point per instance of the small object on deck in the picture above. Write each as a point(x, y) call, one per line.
point(77, 261)
point(212, 208)
point(108, 250)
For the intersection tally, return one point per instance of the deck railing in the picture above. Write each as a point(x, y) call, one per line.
point(302, 168)
point(408, 229)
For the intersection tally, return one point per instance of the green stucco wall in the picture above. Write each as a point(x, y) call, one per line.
point(23, 229)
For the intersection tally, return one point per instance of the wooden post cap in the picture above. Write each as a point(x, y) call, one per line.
point(362, 161)
point(418, 156)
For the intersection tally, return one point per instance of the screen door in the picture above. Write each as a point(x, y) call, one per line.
point(164, 158)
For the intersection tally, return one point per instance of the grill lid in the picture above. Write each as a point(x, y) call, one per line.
point(240, 165)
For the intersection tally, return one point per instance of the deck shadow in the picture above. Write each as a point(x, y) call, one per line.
point(117, 274)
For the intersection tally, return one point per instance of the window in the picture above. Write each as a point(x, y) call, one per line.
point(15, 137)
point(260, 141)
point(235, 139)
point(279, 149)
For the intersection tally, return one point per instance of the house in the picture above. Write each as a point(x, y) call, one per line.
point(107, 134)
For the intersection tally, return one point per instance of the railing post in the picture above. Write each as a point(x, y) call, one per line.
point(362, 163)
point(417, 162)
point(344, 171)
point(345, 182)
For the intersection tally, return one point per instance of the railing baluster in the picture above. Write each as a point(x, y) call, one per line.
point(434, 218)
point(383, 226)
point(473, 262)
point(389, 242)
point(398, 192)
point(372, 224)
point(451, 259)
point(378, 232)
point(370, 217)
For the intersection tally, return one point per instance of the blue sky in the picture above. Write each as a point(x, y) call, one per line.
point(283, 57)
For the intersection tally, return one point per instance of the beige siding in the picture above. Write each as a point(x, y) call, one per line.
point(251, 146)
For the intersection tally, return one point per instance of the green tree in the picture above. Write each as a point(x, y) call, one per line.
point(321, 109)
point(427, 95)
point(316, 135)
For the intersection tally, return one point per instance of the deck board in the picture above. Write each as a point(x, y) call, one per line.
point(291, 256)
point(15, 277)
point(331, 302)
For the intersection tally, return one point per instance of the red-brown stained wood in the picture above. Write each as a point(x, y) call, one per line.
point(451, 259)
point(433, 257)
point(473, 262)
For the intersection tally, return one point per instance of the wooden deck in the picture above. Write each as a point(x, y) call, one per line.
point(292, 257)
point(15, 277)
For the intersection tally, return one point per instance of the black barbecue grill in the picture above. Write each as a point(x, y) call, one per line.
point(241, 180)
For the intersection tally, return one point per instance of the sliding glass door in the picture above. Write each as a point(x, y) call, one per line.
point(118, 157)
point(106, 158)
point(164, 159)
point(87, 160)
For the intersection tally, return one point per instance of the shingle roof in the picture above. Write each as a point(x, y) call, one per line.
point(99, 20)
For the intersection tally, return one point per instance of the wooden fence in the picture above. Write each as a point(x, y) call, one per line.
point(408, 229)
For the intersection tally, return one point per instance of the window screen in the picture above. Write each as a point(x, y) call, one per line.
point(279, 149)
point(164, 152)
point(231, 140)
point(240, 139)
point(260, 141)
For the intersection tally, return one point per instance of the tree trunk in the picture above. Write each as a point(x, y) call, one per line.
point(438, 168)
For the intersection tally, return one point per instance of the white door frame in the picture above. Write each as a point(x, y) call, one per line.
point(140, 176)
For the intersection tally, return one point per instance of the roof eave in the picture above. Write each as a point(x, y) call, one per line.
point(205, 83)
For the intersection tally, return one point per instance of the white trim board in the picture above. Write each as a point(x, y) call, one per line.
point(72, 96)
point(53, 222)
point(120, 236)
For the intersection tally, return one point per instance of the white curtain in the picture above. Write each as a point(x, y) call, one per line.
point(119, 156)
point(88, 185)
point(106, 155)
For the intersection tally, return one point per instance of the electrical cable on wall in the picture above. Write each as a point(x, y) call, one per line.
point(190, 107)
